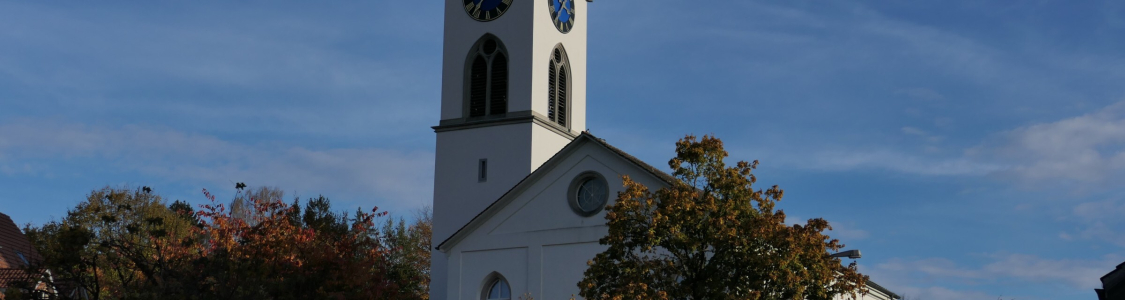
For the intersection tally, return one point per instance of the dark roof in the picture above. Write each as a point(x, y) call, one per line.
point(640, 163)
point(1120, 268)
point(883, 289)
point(585, 135)
point(14, 244)
point(10, 276)
point(1113, 284)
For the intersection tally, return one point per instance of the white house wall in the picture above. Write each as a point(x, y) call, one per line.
point(546, 37)
point(871, 295)
point(510, 263)
point(545, 144)
point(458, 194)
point(462, 31)
point(551, 201)
point(563, 271)
point(537, 219)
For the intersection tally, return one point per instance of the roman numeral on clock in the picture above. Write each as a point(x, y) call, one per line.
point(475, 11)
point(477, 8)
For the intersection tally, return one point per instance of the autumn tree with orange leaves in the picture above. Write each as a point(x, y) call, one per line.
point(711, 235)
point(122, 244)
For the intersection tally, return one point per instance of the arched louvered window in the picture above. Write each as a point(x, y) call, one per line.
point(558, 87)
point(487, 78)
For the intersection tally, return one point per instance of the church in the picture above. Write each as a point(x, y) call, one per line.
point(519, 187)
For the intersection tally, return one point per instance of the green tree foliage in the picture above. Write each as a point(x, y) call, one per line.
point(123, 244)
point(115, 242)
point(318, 215)
point(410, 255)
point(711, 235)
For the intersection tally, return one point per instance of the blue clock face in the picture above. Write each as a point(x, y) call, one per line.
point(562, 13)
point(486, 10)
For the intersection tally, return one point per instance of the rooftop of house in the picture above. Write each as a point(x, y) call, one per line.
point(15, 250)
point(10, 276)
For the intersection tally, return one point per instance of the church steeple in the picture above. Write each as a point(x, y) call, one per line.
point(525, 35)
point(513, 94)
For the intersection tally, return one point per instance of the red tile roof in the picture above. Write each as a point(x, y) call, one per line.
point(13, 244)
point(10, 276)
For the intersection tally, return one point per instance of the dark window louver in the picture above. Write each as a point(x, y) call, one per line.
point(487, 79)
point(478, 82)
point(562, 97)
point(557, 88)
point(552, 75)
point(498, 102)
point(489, 46)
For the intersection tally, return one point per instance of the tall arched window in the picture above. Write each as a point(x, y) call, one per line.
point(498, 289)
point(487, 77)
point(558, 87)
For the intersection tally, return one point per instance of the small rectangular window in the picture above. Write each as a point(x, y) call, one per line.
point(482, 172)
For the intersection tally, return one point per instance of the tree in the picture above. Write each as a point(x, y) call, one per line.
point(410, 252)
point(269, 256)
point(114, 243)
point(122, 244)
point(710, 235)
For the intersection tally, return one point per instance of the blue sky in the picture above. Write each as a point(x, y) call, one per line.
point(971, 150)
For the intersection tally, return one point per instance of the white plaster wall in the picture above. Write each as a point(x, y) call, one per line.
point(871, 295)
point(544, 144)
point(439, 273)
point(538, 218)
point(476, 266)
point(529, 35)
point(513, 151)
point(458, 195)
point(514, 29)
point(546, 37)
point(558, 272)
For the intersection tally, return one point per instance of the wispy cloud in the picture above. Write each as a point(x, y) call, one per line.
point(1087, 149)
point(1099, 221)
point(238, 67)
point(942, 293)
point(919, 93)
point(883, 159)
point(1021, 268)
point(402, 177)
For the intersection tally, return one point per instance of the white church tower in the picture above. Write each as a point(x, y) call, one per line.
point(513, 94)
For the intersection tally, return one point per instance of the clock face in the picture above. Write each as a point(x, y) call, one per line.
point(486, 10)
point(562, 13)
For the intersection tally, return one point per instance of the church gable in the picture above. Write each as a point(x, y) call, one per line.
point(543, 208)
point(545, 205)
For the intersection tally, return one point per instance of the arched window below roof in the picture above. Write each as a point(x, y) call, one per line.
point(498, 289)
point(558, 87)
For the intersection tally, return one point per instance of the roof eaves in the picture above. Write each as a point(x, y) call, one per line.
point(640, 163)
point(883, 289)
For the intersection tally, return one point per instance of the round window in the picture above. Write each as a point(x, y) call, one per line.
point(588, 193)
